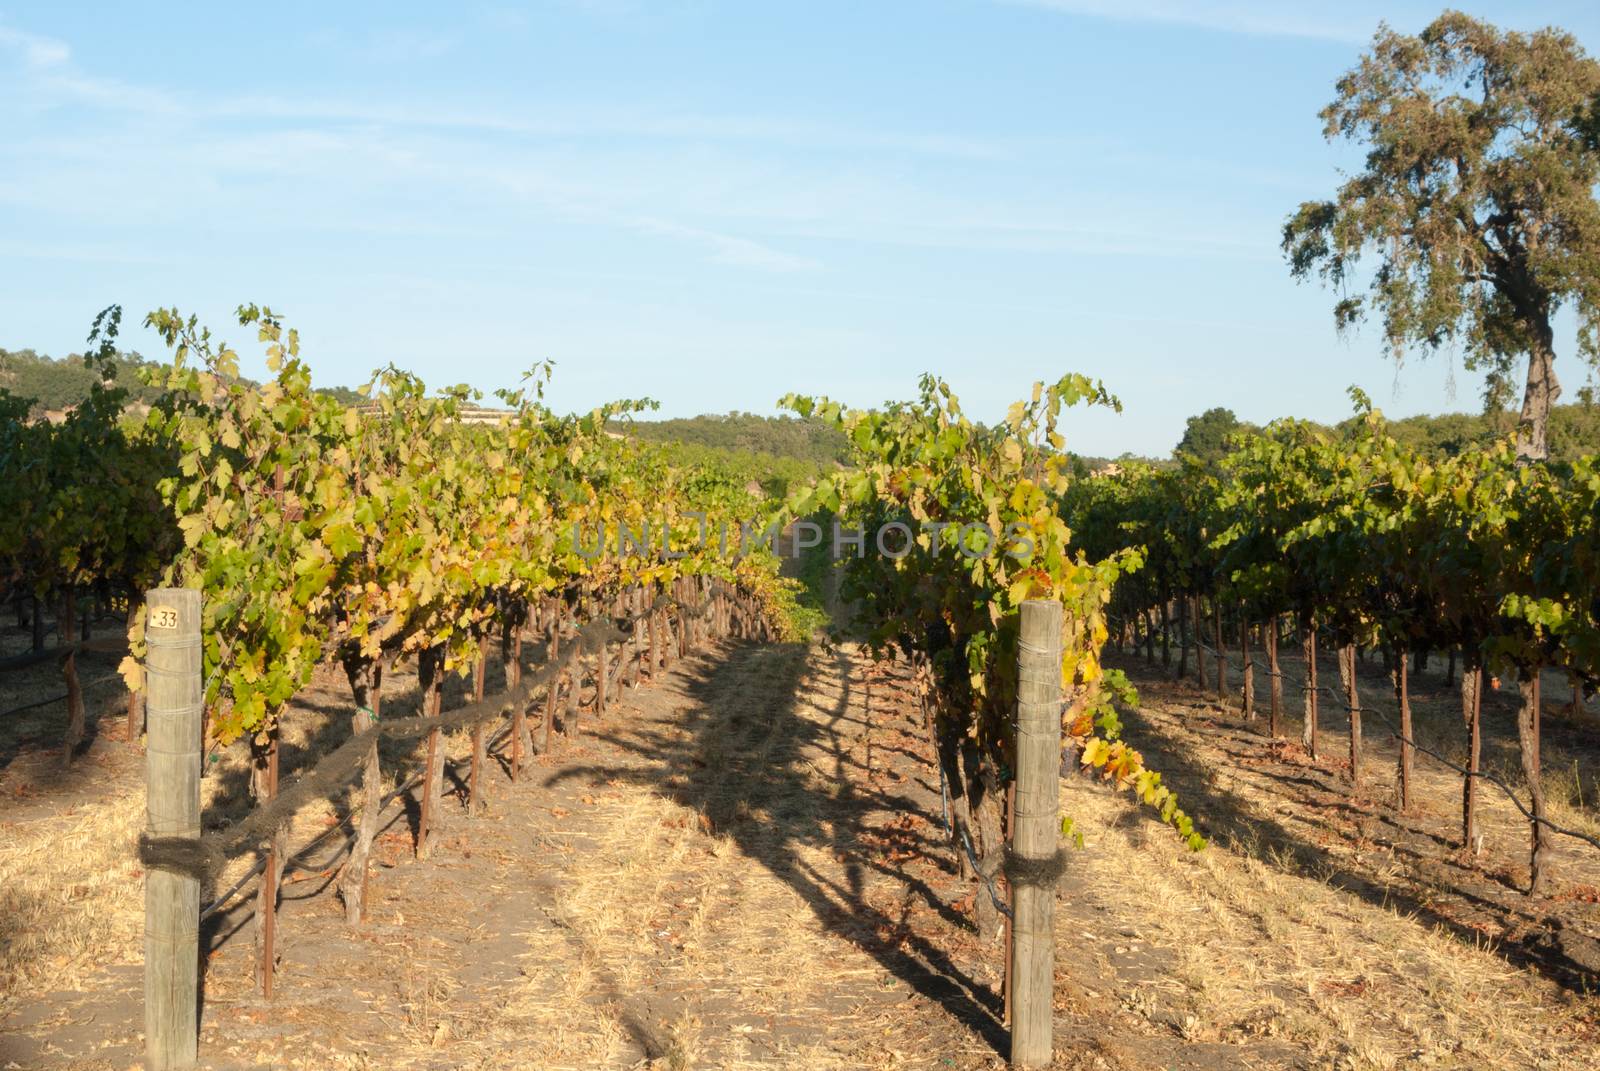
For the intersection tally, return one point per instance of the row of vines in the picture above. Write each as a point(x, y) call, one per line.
point(1363, 543)
point(961, 523)
point(321, 533)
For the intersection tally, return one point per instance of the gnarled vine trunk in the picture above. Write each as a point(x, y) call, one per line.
point(1528, 741)
point(366, 686)
point(1472, 717)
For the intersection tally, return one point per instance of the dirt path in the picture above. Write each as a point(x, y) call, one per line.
point(744, 865)
point(700, 882)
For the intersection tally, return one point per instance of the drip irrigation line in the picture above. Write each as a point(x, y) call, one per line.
point(97, 682)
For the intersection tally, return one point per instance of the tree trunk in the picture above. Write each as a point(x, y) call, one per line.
point(1308, 733)
point(1166, 629)
point(1539, 396)
point(1528, 741)
point(366, 686)
point(1199, 651)
point(553, 689)
point(1472, 715)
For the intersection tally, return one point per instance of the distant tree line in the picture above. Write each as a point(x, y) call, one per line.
point(51, 384)
point(810, 441)
point(1574, 431)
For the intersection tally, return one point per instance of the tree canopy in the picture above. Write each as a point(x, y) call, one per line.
point(1477, 198)
point(1205, 437)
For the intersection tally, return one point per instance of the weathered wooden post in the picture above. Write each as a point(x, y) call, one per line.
point(172, 761)
point(1035, 836)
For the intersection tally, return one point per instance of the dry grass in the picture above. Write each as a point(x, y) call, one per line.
point(1258, 937)
point(70, 895)
point(718, 877)
point(736, 965)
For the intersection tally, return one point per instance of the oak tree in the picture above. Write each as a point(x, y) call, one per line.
point(1477, 198)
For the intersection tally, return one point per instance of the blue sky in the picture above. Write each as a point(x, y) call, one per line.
point(714, 204)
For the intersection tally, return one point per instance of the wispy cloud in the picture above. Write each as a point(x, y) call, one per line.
point(1271, 19)
point(36, 51)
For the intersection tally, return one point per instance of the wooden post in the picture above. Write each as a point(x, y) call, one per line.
point(1352, 702)
point(1274, 678)
point(266, 781)
point(519, 715)
point(1471, 713)
point(552, 690)
point(1036, 824)
point(638, 637)
point(1308, 733)
point(475, 778)
point(430, 673)
point(172, 762)
point(1248, 701)
point(1402, 692)
point(1199, 649)
point(1222, 651)
point(600, 680)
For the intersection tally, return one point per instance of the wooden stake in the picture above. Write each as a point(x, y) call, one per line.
point(519, 714)
point(267, 892)
point(1274, 680)
point(552, 650)
point(1222, 652)
point(1308, 733)
point(1037, 825)
point(475, 777)
point(430, 673)
point(172, 763)
point(1472, 714)
point(1248, 702)
point(601, 680)
point(1402, 691)
point(1352, 700)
